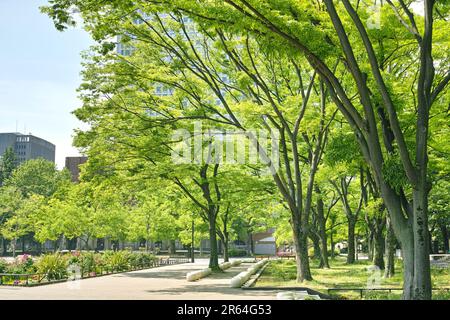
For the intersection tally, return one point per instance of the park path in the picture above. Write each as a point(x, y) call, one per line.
point(163, 283)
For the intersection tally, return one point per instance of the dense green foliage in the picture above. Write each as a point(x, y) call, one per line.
point(281, 273)
point(8, 163)
point(358, 102)
point(58, 266)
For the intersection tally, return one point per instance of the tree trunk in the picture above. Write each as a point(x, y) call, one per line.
point(416, 263)
point(13, 247)
point(332, 244)
point(301, 253)
point(404, 233)
point(444, 232)
point(351, 241)
point(408, 268)
point(226, 235)
point(148, 237)
point(223, 245)
point(324, 251)
point(249, 244)
point(86, 243)
point(220, 246)
point(370, 245)
point(415, 286)
point(378, 254)
point(2, 246)
point(422, 275)
point(225, 248)
point(390, 244)
point(213, 256)
point(172, 248)
point(322, 234)
point(192, 241)
point(62, 243)
point(22, 239)
point(316, 245)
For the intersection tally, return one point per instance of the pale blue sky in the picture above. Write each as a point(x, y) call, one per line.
point(39, 75)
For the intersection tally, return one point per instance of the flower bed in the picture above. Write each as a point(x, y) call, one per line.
point(243, 277)
point(57, 267)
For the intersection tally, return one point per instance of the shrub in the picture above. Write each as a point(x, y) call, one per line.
point(22, 264)
point(91, 262)
point(117, 260)
point(54, 266)
point(135, 261)
point(75, 258)
point(141, 259)
point(237, 253)
point(3, 266)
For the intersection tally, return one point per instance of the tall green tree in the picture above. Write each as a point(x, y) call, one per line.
point(38, 176)
point(390, 117)
point(7, 164)
point(291, 25)
point(10, 201)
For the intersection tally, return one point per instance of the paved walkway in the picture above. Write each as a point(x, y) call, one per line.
point(161, 283)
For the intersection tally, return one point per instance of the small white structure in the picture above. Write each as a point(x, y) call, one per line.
point(244, 276)
point(196, 275)
point(296, 295)
point(225, 265)
point(266, 246)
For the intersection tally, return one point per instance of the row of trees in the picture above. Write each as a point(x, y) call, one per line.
point(353, 104)
point(39, 203)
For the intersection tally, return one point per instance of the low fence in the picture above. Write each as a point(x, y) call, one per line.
point(34, 279)
point(362, 290)
point(169, 261)
point(20, 279)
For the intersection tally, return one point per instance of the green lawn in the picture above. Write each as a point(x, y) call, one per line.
point(282, 273)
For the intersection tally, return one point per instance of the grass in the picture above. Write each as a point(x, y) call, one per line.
point(282, 273)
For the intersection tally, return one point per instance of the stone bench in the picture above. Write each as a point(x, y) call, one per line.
point(296, 295)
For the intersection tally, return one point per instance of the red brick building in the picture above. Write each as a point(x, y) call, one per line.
point(73, 165)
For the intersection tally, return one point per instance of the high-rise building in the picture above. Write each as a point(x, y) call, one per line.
point(193, 35)
point(27, 146)
point(73, 165)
